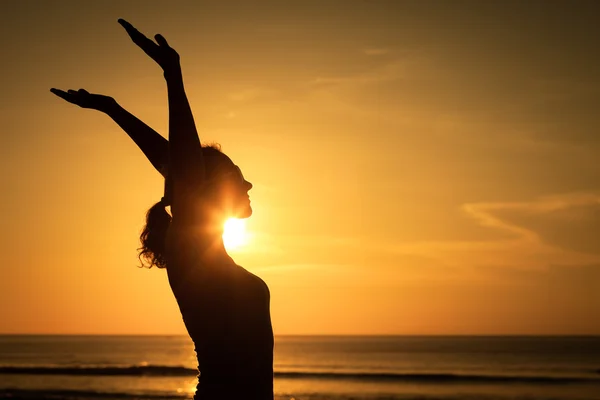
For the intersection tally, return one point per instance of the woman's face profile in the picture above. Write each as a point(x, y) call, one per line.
point(230, 189)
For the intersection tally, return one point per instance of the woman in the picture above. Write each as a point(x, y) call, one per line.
point(224, 307)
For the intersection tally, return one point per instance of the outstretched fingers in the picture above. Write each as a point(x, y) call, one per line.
point(147, 45)
point(78, 97)
point(163, 54)
point(68, 96)
point(83, 98)
point(58, 92)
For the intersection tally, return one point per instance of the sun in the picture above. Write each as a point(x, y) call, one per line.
point(234, 234)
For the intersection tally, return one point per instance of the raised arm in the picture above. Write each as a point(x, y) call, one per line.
point(153, 145)
point(186, 165)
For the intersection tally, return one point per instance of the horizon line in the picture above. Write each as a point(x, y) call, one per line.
point(327, 334)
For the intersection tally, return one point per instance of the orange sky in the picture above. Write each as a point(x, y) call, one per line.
point(418, 167)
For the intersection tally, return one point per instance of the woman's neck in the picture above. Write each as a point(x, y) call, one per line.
point(207, 237)
point(213, 248)
point(209, 240)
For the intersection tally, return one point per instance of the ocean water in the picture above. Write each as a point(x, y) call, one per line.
point(309, 367)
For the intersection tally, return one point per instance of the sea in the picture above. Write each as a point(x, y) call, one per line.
point(309, 367)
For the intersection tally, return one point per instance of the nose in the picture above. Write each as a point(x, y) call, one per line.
point(248, 185)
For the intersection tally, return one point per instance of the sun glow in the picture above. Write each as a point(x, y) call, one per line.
point(234, 234)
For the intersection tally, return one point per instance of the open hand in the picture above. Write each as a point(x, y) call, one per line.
point(162, 53)
point(85, 99)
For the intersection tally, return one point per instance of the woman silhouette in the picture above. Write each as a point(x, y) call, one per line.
point(224, 307)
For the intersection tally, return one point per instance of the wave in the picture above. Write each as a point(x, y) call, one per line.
point(179, 371)
point(132, 370)
point(446, 378)
point(58, 394)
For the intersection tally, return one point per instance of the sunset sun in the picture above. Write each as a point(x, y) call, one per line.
point(234, 234)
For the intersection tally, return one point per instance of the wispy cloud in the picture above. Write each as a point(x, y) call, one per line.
point(385, 70)
point(376, 51)
point(525, 249)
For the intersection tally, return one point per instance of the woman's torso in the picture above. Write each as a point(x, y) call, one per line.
point(226, 311)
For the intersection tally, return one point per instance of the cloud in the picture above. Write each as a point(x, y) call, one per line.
point(571, 224)
point(376, 51)
point(410, 65)
point(531, 245)
point(484, 212)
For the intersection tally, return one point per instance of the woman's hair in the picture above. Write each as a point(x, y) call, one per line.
point(154, 234)
point(152, 252)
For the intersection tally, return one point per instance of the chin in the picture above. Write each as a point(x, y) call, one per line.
point(244, 211)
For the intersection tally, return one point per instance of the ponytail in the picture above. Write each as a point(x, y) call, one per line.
point(153, 237)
